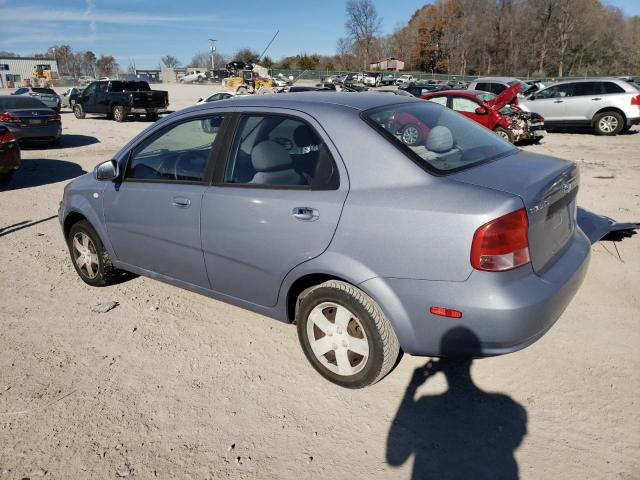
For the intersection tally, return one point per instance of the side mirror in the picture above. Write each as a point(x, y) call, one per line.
point(532, 97)
point(200, 99)
point(481, 110)
point(108, 170)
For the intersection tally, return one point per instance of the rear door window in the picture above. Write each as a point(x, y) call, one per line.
point(497, 88)
point(557, 91)
point(585, 88)
point(439, 100)
point(279, 151)
point(178, 153)
point(461, 104)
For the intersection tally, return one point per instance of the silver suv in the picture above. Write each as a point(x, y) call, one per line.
point(608, 105)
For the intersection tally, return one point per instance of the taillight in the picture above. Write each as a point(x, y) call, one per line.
point(502, 244)
point(7, 137)
point(635, 100)
point(6, 117)
point(34, 94)
point(53, 118)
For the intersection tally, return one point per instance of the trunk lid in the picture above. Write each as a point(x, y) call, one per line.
point(33, 117)
point(548, 188)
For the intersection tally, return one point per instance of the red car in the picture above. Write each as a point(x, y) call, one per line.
point(498, 113)
point(9, 154)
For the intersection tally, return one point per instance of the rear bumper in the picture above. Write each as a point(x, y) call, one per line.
point(506, 311)
point(148, 110)
point(53, 130)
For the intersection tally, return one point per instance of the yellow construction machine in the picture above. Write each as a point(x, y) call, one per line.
point(248, 81)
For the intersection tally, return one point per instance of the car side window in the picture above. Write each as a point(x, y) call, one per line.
point(556, 91)
point(279, 151)
point(90, 89)
point(177, 153)
point(585, 88)
point(439, 100)
point(485, 87)
point(461, 104)
point(20, 91)
point(610, 87)
point(497, 88)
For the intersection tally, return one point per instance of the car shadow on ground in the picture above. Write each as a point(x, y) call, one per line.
point(35, 173)
point(463, 433)
point(66, 141)
point(587, 131)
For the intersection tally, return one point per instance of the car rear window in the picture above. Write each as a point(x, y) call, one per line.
point(437, 138)
point(44, 90)
point(12, 103)
point(117, 86)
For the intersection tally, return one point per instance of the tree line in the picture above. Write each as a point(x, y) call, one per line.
point(457, 37)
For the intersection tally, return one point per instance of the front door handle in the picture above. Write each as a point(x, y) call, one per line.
point(305, 213)
point(596, 99)
point(181, 202)
point(558, 101)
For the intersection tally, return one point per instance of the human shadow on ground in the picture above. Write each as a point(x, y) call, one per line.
point(464, 433)
point(35, 173)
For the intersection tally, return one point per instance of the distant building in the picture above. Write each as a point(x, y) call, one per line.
point(151, 76)
point(388, 64)
point(18, 69)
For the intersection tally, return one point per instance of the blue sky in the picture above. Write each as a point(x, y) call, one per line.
point(146, 29)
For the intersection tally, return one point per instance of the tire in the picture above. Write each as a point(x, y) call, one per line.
point(377, 349)
point(152, 117)
point(410, 134)
point(54, 142)
point(608, 123)
point(78, 111)
point(101, 272)
point(119, 113)
point(241, 91)
point(504, 134)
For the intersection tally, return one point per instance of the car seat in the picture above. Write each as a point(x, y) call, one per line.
point(273, 165)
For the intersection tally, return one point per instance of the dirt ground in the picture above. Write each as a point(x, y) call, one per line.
point(170, 384)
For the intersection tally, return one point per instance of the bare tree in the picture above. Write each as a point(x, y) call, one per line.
point(107, 66)
point(363, 24)
point(247, 55)
point(170, 61)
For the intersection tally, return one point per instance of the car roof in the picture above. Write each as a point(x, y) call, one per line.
point(308, 100)
point(496, 79)
point(593, 79)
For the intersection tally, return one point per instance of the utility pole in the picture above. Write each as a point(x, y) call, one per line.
point(212, 49)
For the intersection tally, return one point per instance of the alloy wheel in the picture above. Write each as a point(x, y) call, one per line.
point(85, 255)
point(608, 124)
point(337, 339)
point(410, 135)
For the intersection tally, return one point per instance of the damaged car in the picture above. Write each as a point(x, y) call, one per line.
point(499, 113)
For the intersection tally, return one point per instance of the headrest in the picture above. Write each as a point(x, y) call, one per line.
point(303, 136)
point(439, 139)
point(268, 156)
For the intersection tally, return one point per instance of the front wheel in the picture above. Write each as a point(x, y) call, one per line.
point(504, 134)
point(608, 123)
point(345, 335)
point(78, 111)
point(89, 257)
point(119, 113)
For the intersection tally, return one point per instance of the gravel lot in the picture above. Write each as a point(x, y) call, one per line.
point(170, 384)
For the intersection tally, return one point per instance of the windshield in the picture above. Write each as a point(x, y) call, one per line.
point(437, 138)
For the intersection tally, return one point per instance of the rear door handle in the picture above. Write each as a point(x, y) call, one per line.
point(181, 202)
point(597, 98)
point(558, 101)
point(305, 214)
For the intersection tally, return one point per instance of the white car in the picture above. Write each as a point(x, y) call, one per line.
point(196, 77)
point(404, 79)
point(216, 96)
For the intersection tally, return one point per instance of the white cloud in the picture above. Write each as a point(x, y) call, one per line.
point(40, 14)
point(91, 4)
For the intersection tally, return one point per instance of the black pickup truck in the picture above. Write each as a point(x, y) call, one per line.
point(118, 98)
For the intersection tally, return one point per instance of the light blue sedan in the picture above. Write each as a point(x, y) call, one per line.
point(48, 96)
point(309, 208)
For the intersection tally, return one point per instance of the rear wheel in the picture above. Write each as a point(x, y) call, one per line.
point(345, 335)
point(78, 111)
point(152, 117)
point(608, 123)
point(119, 113)
point(504, 134)
point(89, 257)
